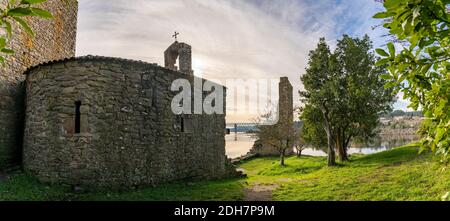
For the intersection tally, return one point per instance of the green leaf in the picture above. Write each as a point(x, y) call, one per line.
point(381, 15)
point(392, 3)
point(12, 2)
point(389, 85)
point(416, 12)
point(425, 68)
point(32, 2)
point(382, 52)
point(20, 12)
point(24, 25)
point(8, 28)
point(382, 62)
point(414, 40)
point(406, 26)
point(42, 13)
point(385, 76)
point(391, 48)
point(2, 42)
point(440, 133)
point(7, 51)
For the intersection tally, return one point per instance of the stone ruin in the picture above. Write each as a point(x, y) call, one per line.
point(99, 121)
point(285, 117)
point(107, 122)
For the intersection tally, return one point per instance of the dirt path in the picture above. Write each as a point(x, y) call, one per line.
point(259, 192)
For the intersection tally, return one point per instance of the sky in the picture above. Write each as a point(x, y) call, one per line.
point(231, 39)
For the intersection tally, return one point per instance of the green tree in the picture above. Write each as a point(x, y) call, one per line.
point(346, 88)
point(318, 94)
point(421, 68)
point(397, 113)
point(16, 11)
point(312, 131)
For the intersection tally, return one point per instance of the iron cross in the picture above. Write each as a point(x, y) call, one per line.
point(175, 35)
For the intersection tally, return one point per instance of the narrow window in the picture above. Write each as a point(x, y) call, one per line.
point(77, 117)
point(182, 125)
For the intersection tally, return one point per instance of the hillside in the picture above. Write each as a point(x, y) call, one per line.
point(399, 174)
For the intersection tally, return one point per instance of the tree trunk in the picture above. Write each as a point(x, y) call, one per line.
point(331, 144)
point(283, 152)
point(331, 153)
point(341, 146)
point(342, 152)
point(299, 153)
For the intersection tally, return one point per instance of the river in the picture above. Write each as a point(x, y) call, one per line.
point(240, 144)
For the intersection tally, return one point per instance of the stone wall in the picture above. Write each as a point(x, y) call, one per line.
point(128, 136)
point(54, 40)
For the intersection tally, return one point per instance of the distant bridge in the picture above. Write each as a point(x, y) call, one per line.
point(241, 127)
point(248, 127)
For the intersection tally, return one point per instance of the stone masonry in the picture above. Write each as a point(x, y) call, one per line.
point(285, 117)
point(107, 122)
point(181, 52)
point(55, 39)
point(98, 121)
point(286, 103)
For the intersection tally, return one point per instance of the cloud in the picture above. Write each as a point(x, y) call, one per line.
point(253, 39)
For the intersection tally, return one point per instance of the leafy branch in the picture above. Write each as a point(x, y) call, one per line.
point(422, 70)
point(16, 12)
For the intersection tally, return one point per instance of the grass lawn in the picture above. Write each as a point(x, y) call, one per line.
point(399, 174)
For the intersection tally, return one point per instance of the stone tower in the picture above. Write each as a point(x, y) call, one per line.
point(285, 120)
point(55, 39)
point(285, 103)
point(183, 53)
